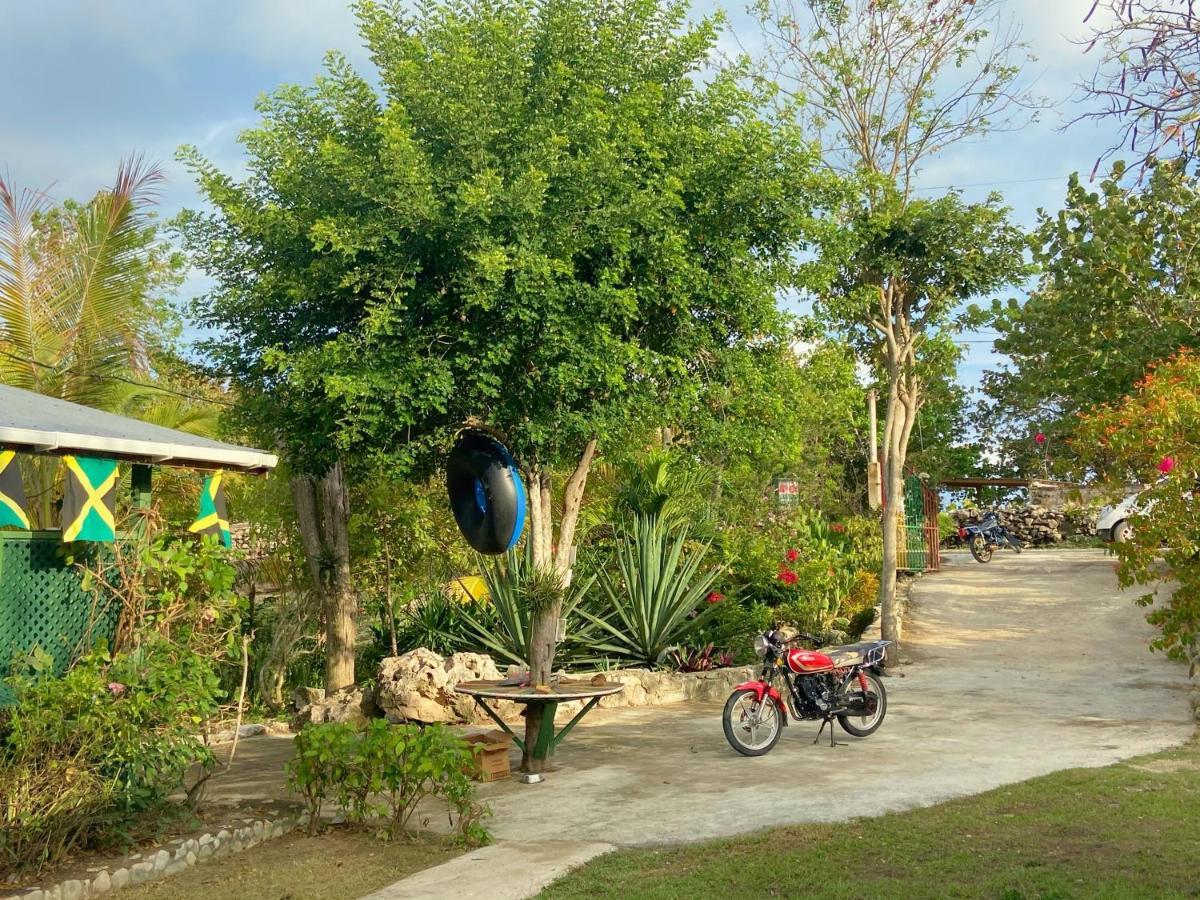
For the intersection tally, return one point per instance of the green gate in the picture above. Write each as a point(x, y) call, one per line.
point(43, 603)
point(920, 549)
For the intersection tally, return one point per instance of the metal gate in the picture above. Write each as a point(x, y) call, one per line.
point(920, 537)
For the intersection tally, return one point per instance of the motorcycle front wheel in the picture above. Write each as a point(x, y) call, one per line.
point(751, 727)
point(864, 726)
point(980, 548)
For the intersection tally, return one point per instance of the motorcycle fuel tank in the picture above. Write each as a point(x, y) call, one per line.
point(805, 661)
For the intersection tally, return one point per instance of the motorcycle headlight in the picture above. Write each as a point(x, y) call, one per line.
point(760, 645)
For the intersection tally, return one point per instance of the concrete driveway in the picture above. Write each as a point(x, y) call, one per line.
point(1016, 668)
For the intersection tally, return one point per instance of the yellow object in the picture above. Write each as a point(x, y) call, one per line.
point(467, 588)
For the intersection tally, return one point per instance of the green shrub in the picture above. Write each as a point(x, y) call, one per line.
point(733, 627)
point(90, 750)
point(383, 774)
point(655, 597)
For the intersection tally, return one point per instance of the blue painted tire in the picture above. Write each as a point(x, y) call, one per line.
point(486, 493)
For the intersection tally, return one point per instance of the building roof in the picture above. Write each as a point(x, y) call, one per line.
point(40, 424)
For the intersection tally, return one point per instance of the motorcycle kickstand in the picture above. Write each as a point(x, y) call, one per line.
point(832, 741)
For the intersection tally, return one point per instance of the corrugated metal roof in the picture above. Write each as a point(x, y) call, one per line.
point(40, 424)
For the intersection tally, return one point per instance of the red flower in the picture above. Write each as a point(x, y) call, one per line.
point(1166, 464)
point(1040, 438)
point(838, 527)
point(716, 597)
point(792, 555)
point(787, 576)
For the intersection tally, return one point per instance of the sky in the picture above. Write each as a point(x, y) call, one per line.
point(86, 83)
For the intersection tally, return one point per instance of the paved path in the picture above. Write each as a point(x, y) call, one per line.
point(1027, 665)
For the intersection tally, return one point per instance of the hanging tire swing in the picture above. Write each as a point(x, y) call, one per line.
point(486, 493)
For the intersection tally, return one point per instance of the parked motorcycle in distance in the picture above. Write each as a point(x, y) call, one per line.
point(840, 683)
point(984, 536)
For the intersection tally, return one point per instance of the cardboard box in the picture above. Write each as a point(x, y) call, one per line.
point(491, 760)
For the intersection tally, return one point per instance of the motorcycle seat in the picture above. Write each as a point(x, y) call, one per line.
point(862, 653)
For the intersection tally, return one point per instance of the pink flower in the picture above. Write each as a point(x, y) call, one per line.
point(787, 576)
point(1040, 438)
point(792, 555)
point(716, 597)
point(1166, 464)
point(116, 688)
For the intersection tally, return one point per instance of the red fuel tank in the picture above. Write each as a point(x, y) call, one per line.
point(806, 661)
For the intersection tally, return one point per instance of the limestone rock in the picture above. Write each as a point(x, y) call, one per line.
point(418, 686)
point(352, 704)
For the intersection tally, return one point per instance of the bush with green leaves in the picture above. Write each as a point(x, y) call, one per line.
point(381, 774)
point(82, 755)
point(655, 595)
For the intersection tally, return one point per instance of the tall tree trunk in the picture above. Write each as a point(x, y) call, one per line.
point(323, 515)
point(558, 557)
point(903, 403)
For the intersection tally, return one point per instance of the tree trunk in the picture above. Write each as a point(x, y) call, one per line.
point(560, 558)
point(323, 515)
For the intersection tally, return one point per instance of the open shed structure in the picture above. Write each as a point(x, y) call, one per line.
point(42, 601)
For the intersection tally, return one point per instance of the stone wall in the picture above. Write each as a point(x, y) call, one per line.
point(419, 687)
point(1034, 524)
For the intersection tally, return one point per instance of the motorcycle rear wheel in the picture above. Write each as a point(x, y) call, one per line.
point(865, 726)
point(751, 727)
point(980, 548)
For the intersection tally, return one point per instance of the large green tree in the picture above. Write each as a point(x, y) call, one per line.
point(546, 219)
point(1120, 288)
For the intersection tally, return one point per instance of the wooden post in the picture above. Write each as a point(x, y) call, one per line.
point(139, 486)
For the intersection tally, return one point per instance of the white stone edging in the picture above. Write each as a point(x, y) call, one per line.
point(170, 858)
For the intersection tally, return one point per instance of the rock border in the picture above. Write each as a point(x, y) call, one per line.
point(168, 859)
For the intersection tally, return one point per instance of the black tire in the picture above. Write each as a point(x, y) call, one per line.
point(875, 686)
point(1121, 532)
point(732, 732)
point(980, 548)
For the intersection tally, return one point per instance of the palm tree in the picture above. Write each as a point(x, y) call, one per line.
point(80, 313)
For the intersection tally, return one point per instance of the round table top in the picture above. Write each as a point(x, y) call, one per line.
point(560, 691)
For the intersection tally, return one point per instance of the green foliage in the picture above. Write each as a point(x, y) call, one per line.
point(82, 754)
point(1118, 291)
point(501, 627)
point(383, 773)
point(429, 617)
point(1156, 430)
point(733, 626)
point(656, 598)
point(541, 216)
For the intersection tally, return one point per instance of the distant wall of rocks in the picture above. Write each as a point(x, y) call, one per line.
point(1034, 524)
point(419, 687)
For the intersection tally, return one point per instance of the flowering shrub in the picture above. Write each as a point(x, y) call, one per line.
point(82, 754)
point(1154, 435)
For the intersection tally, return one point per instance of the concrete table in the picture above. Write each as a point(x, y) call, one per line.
point(560, 692)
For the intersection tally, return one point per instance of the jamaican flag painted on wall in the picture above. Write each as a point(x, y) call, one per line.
point(90, 499)
point(213, 519)
point(12, 492)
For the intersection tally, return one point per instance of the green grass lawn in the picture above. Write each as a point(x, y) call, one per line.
point(1127, 830)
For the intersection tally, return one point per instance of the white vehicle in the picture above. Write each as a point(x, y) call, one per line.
point(1113, 522)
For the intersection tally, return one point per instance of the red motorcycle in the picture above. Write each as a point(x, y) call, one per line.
point(840, 683)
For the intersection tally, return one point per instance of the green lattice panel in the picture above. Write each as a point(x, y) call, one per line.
point(43, 604)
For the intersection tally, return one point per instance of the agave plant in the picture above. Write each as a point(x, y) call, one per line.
point(657, 596)
point(517, 589)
